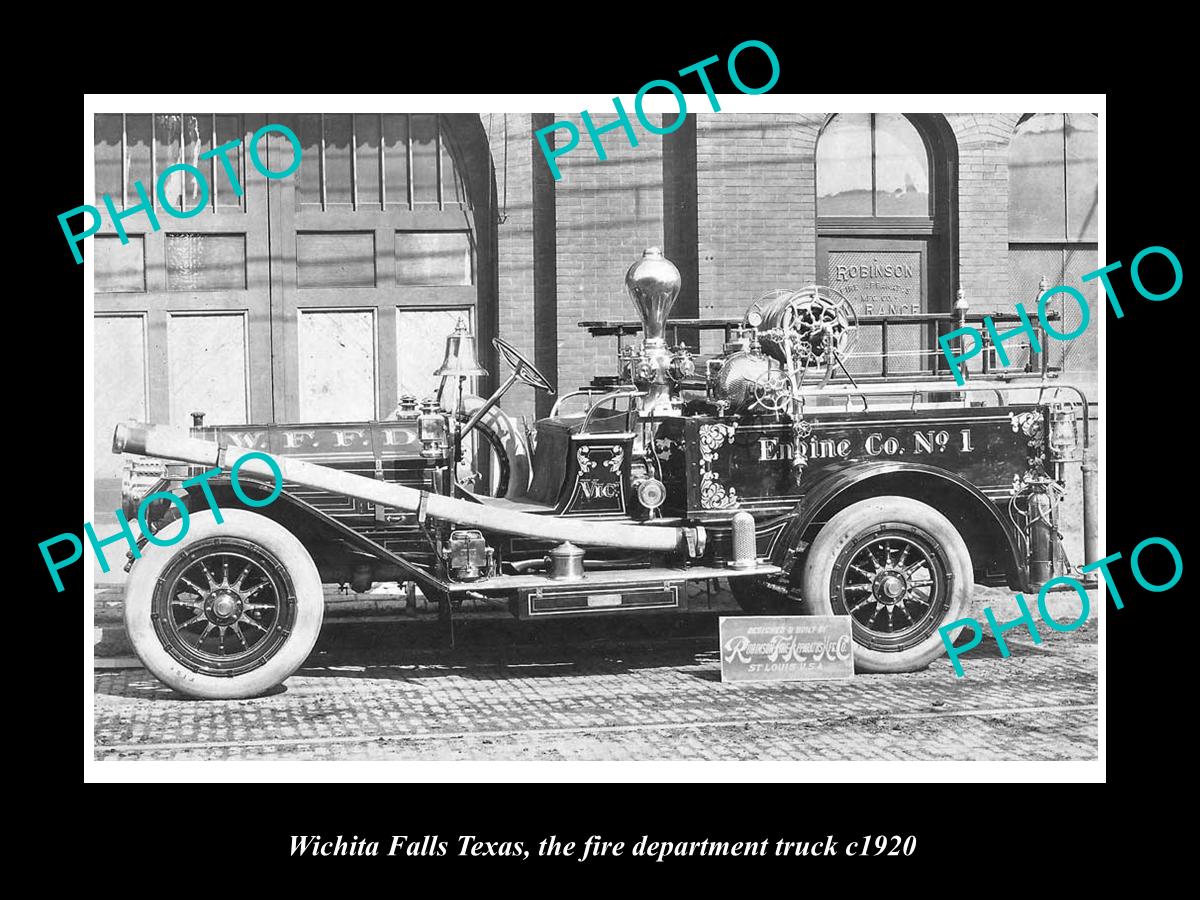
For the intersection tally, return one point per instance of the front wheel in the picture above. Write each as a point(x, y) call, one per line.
point(900, 570)
point(230, 611)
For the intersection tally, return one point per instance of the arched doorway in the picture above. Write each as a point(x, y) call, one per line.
point(886, 227)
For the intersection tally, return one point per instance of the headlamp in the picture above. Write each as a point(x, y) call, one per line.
point(431, 429)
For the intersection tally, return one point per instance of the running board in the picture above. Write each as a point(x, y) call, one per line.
point(609, 578)
point(658, 589)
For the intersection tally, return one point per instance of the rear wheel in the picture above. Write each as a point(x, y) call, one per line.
point(230, 611)
point(900, 570)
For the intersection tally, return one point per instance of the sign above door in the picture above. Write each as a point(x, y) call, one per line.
point(877, 283)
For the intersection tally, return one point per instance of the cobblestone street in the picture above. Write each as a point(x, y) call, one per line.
point(627, 693)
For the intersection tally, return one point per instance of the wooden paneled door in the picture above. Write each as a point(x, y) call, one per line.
point(373, 259)
point(183, 313)
point(320, 296)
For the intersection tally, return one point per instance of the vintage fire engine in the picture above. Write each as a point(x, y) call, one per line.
point(769, 466)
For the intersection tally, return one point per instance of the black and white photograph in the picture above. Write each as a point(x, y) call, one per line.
point(461, 429)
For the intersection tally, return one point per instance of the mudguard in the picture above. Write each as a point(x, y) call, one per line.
point(823, 496)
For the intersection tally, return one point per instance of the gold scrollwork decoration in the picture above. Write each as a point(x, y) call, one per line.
point(713, 494)
point(664, 447)
point(1032, 426)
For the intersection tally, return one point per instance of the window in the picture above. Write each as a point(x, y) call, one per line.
point(132, 147)
point(1053, 192)
point(872, 164)
point(1052, 222)
point(884, 206)
point(377, 161)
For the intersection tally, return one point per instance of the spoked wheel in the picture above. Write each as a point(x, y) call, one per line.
point(224, 608)
point(900, 570)
point(893, 585)
point(230, 611)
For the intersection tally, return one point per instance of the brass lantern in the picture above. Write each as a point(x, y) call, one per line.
point(1064, 433)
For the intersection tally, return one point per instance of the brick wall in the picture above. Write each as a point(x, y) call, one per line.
point(756, 221)
point(983, 140)
point(608, 212)
point(515, 243)
point(756, 206)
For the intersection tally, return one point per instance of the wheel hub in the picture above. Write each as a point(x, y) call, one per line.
point(890, 587)
point(224, 607)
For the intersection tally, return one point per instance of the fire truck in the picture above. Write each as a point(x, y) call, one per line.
point(768, 464)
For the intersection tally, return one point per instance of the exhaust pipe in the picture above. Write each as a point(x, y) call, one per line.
point(167, 443)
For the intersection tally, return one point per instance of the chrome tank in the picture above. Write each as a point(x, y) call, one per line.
point(735, 380)
point(653, 283)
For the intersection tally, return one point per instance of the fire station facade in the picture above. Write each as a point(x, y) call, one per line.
point(326, 295)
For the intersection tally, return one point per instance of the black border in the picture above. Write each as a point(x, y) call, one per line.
point(961, 825)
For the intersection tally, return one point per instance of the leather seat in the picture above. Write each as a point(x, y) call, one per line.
point(604, 421)
point(550, 459)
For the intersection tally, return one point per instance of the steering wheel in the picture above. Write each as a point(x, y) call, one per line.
point(525, 371)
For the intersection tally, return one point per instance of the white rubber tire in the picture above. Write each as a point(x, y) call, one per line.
point(256, 529)
point(844, 528)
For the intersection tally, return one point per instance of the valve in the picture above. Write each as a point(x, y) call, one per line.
point(682, 366)
point(772, 392)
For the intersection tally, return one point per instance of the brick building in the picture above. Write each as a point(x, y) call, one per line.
point(327, 294)
point(739, 203)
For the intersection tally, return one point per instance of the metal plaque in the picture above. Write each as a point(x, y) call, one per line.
point(878, 283)
point(882, 283)
point(786, 648)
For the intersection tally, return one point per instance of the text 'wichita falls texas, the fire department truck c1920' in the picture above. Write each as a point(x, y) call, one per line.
point(769, 465)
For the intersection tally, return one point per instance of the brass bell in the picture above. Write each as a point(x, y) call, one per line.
point(461, 359)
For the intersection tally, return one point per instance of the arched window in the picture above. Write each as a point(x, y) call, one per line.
point(872, 164)
point(1052, 220)
point(884, 230)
